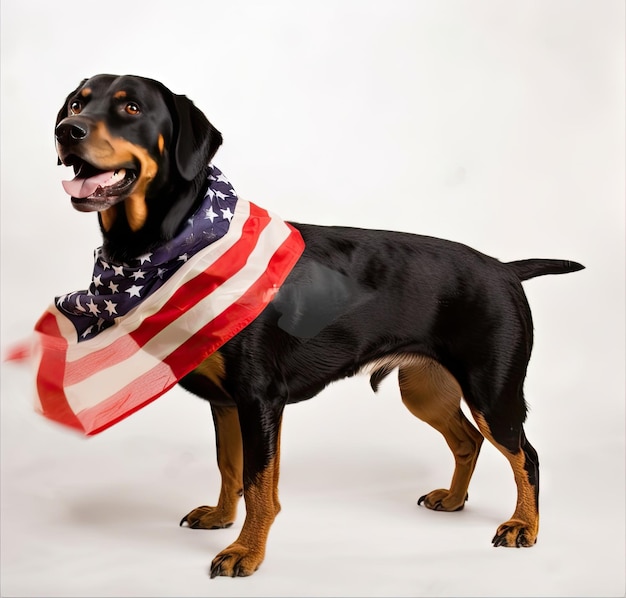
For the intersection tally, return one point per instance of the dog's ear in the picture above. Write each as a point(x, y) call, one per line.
point(195, 139)
point(63, 110)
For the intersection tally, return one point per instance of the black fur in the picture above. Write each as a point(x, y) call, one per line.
point(355, 297)
point(190, 139)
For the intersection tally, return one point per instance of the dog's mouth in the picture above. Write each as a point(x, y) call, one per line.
point(94, 188)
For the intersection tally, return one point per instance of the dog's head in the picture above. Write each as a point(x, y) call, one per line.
point(140, 155)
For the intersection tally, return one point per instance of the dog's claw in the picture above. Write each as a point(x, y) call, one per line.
point(192, 522)
point(501, 540)
point(217, 569)
point(514, 534)
point(208, 518)
point(236, 561)
point(434, 501)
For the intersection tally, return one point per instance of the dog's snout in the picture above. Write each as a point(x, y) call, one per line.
point(71, 132)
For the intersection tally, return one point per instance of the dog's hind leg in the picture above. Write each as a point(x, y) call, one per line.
point(511, 441)
point(433, 395)
point(230, 463)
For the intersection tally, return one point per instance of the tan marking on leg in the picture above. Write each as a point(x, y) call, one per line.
point(230, 463)
point(433, 395)
point(244, 556)
point(229, 456)
point(161, 143)
point(523, 527)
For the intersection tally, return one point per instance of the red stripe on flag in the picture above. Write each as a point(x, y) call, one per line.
point(183, 299)
point(50, 373)
point(207, 281)
point(52, 377)
point(134, 396)
point(153, 384)
point(234, 319)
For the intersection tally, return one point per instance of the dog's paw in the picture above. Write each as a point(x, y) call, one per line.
point(515, 533)
point(236, 561)
point(208, 518)
point(442, 500)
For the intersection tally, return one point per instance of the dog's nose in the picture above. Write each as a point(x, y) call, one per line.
point(71, 132)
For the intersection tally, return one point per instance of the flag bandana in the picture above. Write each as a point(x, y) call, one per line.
point(115, 289)
point(105, 352)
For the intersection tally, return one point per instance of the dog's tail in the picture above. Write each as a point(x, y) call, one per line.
point(527, 269)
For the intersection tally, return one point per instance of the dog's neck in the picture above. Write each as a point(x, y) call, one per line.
point(159, 218)
point(124, 284)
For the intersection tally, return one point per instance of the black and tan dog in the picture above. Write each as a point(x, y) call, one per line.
point(454, 322)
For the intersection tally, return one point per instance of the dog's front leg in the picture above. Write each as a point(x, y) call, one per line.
point(260, 430)
point(230, 463)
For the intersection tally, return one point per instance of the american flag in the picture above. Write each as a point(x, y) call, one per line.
point(105, 352)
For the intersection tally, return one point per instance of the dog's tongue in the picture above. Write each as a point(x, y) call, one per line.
point(81, 187)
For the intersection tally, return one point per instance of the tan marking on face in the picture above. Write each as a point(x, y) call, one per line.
point(161, 144)
point(120, 95)
point(107, 152)
point(136, 211)
point(86, 92)
point(107, 217)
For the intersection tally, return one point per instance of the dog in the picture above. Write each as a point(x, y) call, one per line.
point(454, 322)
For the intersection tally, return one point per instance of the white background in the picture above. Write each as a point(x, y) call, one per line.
point(498, 124)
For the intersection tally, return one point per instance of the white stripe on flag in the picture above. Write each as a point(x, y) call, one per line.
point(152, 304)
point(105, 383)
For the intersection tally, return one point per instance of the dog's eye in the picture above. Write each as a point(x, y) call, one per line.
point(76, 107)
point(132, 108)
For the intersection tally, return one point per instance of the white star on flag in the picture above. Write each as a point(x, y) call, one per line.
point(133, 291)
point(110, 307)
point(93, 308)
point(96, 280)
point(210, 214)
point(137, 275)
point(99, 361)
